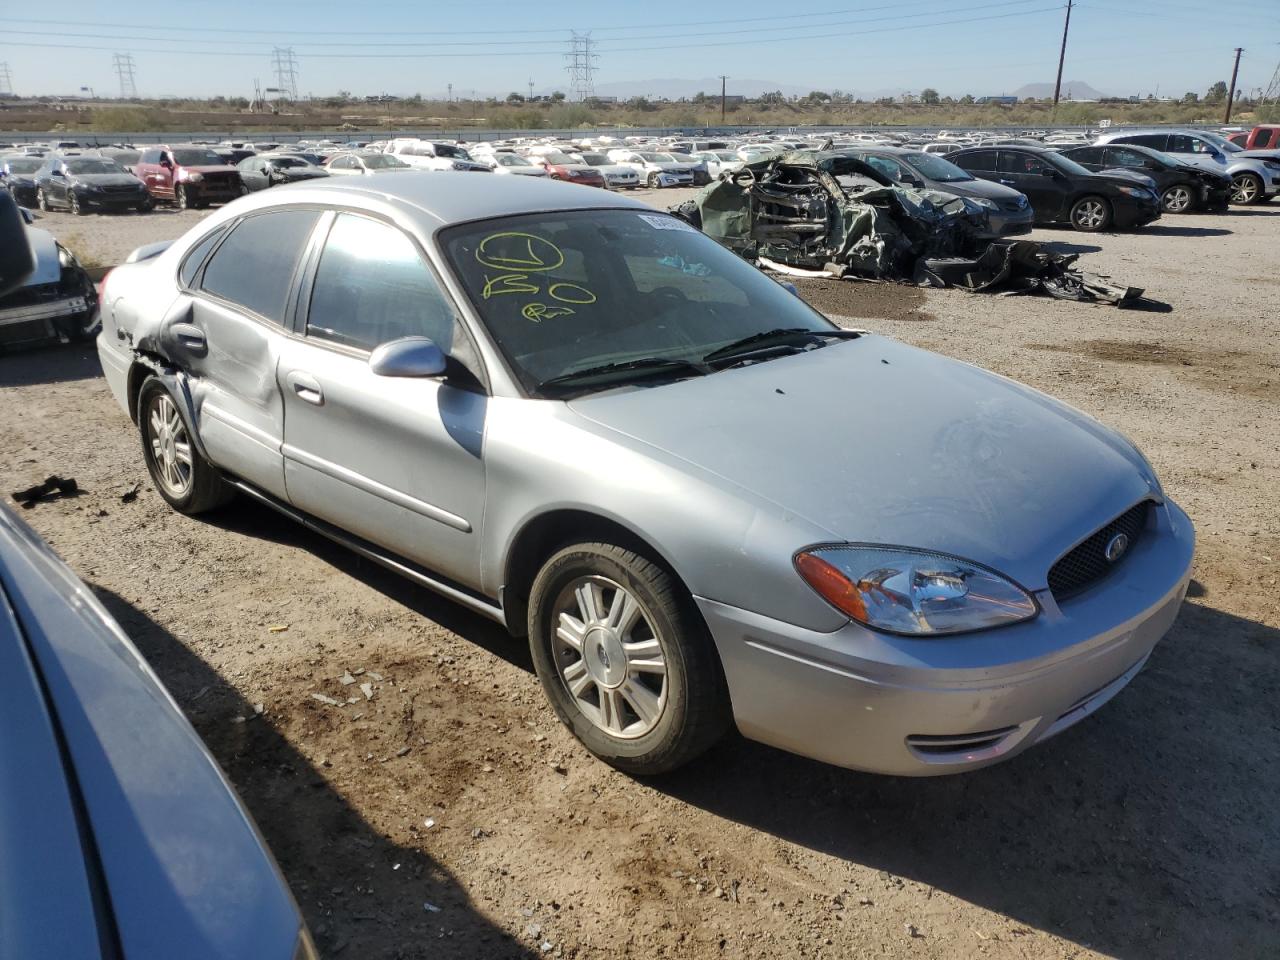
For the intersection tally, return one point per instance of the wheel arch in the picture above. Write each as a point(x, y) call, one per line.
point(544, 534)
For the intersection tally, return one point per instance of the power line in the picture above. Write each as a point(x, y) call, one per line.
point(580, 64)
point(122, 63)
point(285, 65)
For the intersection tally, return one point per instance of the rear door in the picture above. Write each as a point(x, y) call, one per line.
point(396, 460)
point(227, 331)
point(981, 163)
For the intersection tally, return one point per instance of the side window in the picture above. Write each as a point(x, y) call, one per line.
point(1156, 141)
point(372, 286)
point(150, 156)
point(1265, 139)
point(1181, 143)
point(1087, 155)
point(342, 163)
point(1120, 157)
point(883, 165)
point(1012, 162)
point(254, 267)
point(978, 160)
point(191, 265)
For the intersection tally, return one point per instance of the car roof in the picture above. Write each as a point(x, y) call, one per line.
point(1016, 146)
point(458, 196)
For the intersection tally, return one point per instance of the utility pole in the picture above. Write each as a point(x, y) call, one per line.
point(6, 80)
point(1231, 94)
point(723, 80)
point(1057, 87)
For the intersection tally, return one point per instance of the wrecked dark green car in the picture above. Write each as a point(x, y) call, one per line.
point(825, 213)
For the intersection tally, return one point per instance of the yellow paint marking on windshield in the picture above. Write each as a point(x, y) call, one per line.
point(519, 251)
point(537, 312)
point(579, 294)
point(507, 283)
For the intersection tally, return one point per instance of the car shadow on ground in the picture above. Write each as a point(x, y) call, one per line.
point(56, 363)
point(1067, 247)
point(253, 519)
point(307, 823)
point(1169, 230)
point(1147, 831)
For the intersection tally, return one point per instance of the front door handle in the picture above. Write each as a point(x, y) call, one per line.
point(306, 387)
point(1007, 183)
point(190, 336)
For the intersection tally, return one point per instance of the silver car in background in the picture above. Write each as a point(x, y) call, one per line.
point(701, 501)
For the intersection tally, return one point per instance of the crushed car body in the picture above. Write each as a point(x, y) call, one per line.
point(830, 214)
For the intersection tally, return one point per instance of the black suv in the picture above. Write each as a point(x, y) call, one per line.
point(1062, 191)
point(1183, 188)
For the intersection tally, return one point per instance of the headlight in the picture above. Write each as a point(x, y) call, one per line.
point(573, 173)
point(1273, 164)
point(459, 165)
point(193, 177)
point(65, 257)
point(913, 592)
point(1138, 192)
point(985, 203)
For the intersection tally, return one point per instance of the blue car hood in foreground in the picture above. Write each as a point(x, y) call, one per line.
point(115, 822)
point(880, 442)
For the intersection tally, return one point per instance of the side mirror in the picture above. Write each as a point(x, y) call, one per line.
point(408, 357)
point(165, 162)
point(16, 259)
point(56, 173)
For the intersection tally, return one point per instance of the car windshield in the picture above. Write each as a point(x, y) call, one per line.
point(1222, 143)
point(511, 160)
point(656, 157)
point(197, 158)
point(556, 157)
point(595, 160)
point(382, 161)
point(933, 167)
point(1066, 165)
point(22, 164)
point(93, 166)
point(289, 162)
point(564, 292)
point(726, 155)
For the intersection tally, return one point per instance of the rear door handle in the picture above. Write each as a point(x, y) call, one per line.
point(190, 336)
point(306, 387)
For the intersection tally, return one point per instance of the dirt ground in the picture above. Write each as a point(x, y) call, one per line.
point(446, 814)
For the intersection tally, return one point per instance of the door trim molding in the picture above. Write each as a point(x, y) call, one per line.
point(373, 487)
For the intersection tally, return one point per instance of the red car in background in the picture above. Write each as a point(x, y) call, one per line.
point(1265, 136)
point(190, 176)
point(560, 166)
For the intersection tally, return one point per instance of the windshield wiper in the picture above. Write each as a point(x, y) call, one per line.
point(626, 370)
point(782, 336)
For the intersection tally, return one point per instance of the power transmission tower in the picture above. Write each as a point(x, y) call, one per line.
point(1062, 56)
point(122, 63)
point(581, 66)
point(285, 65)
point(6, 80)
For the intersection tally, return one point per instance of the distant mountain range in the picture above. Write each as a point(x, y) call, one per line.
point(1071, 90)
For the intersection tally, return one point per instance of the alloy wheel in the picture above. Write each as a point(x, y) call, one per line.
point(1244, 189)
point(1091, 214)
point(42, 201)
point(170, 446)
point(182, 199)
point(609, 657)
point(1178, 199)
point(75, 204)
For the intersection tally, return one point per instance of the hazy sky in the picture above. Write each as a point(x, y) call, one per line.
point(495, 46)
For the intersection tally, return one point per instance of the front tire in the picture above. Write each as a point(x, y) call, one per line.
point(653, 181)
point(42, 199)
point(75, 205)
point(1246, 188)
point(625, 659)
point(1178, 199)
point(185, 480)
point(1091, 214)
point(181, 198)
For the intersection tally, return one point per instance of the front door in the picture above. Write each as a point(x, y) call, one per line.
point(227, 333)
point(396, 460)
point(1044, 186)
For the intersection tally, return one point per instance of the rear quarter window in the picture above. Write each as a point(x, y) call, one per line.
point(191, 265)
point(254, 267)
point(978, 160)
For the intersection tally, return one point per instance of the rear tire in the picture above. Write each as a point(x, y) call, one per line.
point(42, 200)
point(181, 199)
point(625, 659)
point(1091, 214)
point(182, 477)
point(74, 201)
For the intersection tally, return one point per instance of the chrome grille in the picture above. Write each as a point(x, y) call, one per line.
point(1087, 563)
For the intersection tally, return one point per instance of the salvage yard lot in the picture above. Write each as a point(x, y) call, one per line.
point(439, 809)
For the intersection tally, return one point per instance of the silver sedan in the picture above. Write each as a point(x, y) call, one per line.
point(701, 502)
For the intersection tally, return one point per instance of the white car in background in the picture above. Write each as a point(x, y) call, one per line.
point(504, 162)
point(719, 161)
point(657, 169)
point(430, 155)
point(363, 164)
point(617, 176)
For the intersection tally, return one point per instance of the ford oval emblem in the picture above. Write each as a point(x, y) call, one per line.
point(1116, 547)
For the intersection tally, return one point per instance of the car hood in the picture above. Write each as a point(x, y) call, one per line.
point(106, 179)
point(522, 171)
point(301, 173)
point(615, 169)
point(668, 167)
point(45, 251)
point(876, 441)
point(1256, 154)
point(1126, 177)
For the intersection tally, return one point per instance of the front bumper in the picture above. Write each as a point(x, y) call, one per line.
point(1132, 212)
point(1011, 223)
point(923, 707)
point(115, 201)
